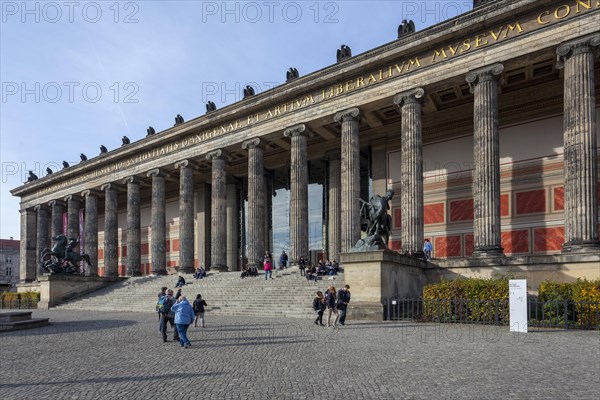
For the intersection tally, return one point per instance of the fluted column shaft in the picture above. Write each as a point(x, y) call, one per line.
point(73, 205)
point(268, 212)
point(186, 216)
point(218, 216)
point(233, 222)
point(111, 225)
point(134, 229)
point(299, 192)
point(256, 207)
point(486, 154)
point(27, 246)
point(90, 231)
point(350, 176)
point(58, 209)
point(158, 222)
point(580, 144)
point(43, 235)
point(334, 216)
point(411, 170)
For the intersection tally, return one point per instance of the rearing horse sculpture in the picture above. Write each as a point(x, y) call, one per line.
point(62, 259)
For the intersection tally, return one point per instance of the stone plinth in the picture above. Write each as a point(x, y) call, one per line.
point(376, 276)
point(55, 289)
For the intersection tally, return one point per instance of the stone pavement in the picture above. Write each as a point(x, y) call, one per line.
point(84, 355)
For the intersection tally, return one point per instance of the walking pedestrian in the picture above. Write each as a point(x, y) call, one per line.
point(268, 267)
point(319, 307)
point(199, 305)
point(330, 302)
point(342, 302)
point(427, 247)
point(283, 259)
point(167, 315)
point(184, 315)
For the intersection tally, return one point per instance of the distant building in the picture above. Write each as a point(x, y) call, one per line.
point(9, 261)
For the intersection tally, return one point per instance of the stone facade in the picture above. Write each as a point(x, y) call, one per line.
point(201, 191)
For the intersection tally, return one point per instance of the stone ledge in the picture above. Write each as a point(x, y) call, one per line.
point(55, 289)
point(518, 260)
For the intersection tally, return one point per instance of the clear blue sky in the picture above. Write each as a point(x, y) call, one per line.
point(76, 75)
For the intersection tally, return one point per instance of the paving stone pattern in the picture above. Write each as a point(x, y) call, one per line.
point(110, 355)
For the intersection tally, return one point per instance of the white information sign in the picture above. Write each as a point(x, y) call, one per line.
point(517, 291)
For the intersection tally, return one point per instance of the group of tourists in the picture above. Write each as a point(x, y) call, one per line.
point(336, 303)
point(323, 268)
point(176, 311)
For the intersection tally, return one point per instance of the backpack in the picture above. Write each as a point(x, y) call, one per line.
point(164, 305)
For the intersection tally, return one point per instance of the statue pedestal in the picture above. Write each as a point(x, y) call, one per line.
point(378, 276)
point(55, 289)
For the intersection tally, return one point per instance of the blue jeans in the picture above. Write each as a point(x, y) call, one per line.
point(268, 274)
point(182, 330)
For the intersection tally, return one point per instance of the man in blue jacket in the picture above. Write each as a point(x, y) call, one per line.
point(167, 315)
point(184, 315)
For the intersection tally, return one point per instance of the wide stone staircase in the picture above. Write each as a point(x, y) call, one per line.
point(286, 295)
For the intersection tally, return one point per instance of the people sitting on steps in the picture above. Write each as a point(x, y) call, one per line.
point(180, 282)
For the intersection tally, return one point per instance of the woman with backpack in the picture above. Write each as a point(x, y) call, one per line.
point(199, 305)
point(330, 302)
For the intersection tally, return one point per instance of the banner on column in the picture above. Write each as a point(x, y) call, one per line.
point(81, 240)
point(65, 223)
point(517, 292)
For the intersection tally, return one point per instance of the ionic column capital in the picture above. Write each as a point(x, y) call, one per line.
point(40, 207)
point(131, 179)
point(109, 186)
point(185, 163)
point(156, 172)
point(584, 44)
point(351, 114)
point(296, 130)
point(218, 155)
point(72, 197)
point(416, 95)
point(484, 74)
point(59, 203)
point(91, 192)
point(252, 143)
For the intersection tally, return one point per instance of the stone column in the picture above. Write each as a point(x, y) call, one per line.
point(90, 230)
point(334, 224)
point(158, 223)
point(233, 223)
point(411, 170)
point(73, 205)
point(268, 241)
point(27, 258)
point(58, 209)
point(299, 192)
point(43, 236)
point(218, 244)
point(186, 216)
point(486, 154)
point(580, 144)
point(350, 176)
point(134, 227)
point(256, 206)
point(111, 225)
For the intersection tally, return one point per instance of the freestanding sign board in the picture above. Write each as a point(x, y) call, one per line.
point(517, 290)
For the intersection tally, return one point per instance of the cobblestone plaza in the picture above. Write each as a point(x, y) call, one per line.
point(120, 355)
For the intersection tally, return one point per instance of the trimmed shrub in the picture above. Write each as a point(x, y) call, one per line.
point(20, 300)
point(466, 300)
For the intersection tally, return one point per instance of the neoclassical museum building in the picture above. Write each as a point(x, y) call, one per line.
point(485, 126)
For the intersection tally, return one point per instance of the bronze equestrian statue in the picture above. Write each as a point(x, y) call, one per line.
point(62, 259)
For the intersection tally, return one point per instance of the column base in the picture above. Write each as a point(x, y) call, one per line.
point(160, 272)
point(581, 246)
point(488, 252)
point(186, 270)
point(219, 267)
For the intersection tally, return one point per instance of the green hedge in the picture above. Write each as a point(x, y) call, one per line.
point(20, 300)
point(467, 299)
point(582, 297)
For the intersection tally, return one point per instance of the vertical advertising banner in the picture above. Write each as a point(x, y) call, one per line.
point(81, 240)
point(517, 292)
point(65, 223)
